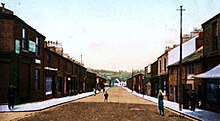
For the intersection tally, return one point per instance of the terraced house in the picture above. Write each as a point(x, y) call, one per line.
point(211, 75)
point(38, 70)
point(21, 58)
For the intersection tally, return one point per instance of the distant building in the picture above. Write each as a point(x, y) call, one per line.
point(117, 82)
point(136, 83)
point(148, 80)
point(154, 79)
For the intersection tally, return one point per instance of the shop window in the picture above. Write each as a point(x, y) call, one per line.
point(48, 85)
point(212, 93)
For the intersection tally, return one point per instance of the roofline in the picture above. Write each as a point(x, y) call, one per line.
point(14, 17)
point(216, 16)
point(135, 76)
point(162, 55)
point(91, 72)
point(64, 57)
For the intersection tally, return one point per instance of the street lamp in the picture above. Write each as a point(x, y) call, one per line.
point(180, 62)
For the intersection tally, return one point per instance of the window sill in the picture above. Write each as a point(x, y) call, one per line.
point(24, 51)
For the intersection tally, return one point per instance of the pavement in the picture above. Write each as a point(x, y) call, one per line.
point(199, 114)
point(36, 106)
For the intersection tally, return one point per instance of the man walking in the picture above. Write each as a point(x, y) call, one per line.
point(160, 103)
point(11, 97)
point(193, 98)
point(106, 96)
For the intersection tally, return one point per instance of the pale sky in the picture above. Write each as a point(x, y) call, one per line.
point(113, 34)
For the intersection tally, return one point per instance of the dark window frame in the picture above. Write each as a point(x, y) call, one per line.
point(48, 60)
point(214, 36)
point(59, 84)
point(165, 64)
point(191, 68)
point(37, 40)
point(24, 39)
point(171, 71)
point(37, 79)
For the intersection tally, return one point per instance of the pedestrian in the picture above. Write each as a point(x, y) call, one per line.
point(186, 100)
point(11, 96)
point(94, 91)
point(160, 103)
point(103, 89)
point(193, 98)
point(106, 96)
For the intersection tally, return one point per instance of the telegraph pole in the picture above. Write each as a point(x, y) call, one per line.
point(180, 62)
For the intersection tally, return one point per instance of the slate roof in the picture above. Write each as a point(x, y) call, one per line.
point(197, 55)
point(211, 74)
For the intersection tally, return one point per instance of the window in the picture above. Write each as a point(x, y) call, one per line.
point(24, 39)
point(37, 46)
point(191, 68)
point(37, 79)
point(48, 85)
point(160, 66)
point(165, 64)
point(59, 84)
point(17, 46)
point(214, 36)
point(48, 60)
point(171, 89)
point(212, 92)
point(58, 61)
point(171, 71)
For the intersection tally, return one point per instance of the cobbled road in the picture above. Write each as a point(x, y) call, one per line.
point(121, 106)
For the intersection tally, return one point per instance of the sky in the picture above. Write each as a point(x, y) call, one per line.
point(113, 34)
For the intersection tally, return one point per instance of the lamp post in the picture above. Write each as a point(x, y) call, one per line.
point(132, 80)
point(180, 62)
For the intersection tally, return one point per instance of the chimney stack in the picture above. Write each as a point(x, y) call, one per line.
point(3, 7)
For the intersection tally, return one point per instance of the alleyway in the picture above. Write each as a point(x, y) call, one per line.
point(122, 105)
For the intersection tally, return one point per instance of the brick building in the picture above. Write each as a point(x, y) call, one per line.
point(136, 83)
point(100, 82)
point(147, 74)
point(210, 76)
point(154, 79)
point(90, 81)
point(163, 73)
point(21, 58)
point(37, 69)
point(63, 75)
point(191, 65)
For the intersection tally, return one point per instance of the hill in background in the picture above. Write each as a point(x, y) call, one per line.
point(112, 75)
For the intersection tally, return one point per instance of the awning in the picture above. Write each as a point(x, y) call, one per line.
point(214, 73)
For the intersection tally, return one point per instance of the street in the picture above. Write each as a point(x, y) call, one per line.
point(121, 105)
